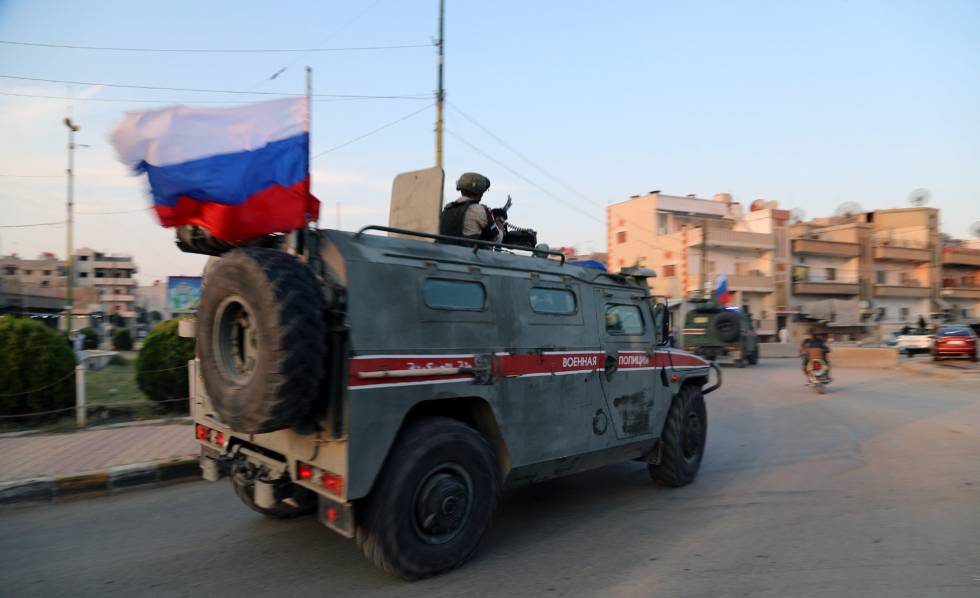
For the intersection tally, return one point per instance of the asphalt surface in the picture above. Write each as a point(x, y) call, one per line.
point(870, 490)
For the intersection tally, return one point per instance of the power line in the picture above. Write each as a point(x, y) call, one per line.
point(522, 156)
point(232, 91)
point(60, 222)
point(148, 101)
point(216, 50)
point(143, 209)
point(372, 132)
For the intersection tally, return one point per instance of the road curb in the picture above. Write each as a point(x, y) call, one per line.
point(99, 483)
point(927, 370)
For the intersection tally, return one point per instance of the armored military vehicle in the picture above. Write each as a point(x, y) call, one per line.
point(395, 384)
point(716, 332)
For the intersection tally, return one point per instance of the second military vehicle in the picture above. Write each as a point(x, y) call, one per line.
point(393, 385)
point(715, 332)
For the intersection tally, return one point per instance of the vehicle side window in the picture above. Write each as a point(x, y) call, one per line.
point(553, 301)
point(442, 293)
point(624, 319)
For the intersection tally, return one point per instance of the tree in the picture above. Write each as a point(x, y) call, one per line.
point(155, 316)
point(36, 370)
point(161, 368)
point(122, 340)
point(116, 319)
point(141, 316)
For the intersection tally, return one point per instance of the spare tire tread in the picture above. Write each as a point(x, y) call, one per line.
point(289, 310)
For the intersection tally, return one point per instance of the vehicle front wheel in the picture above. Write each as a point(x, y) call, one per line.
point(683, 439)
point(298, 501)
point(432, 502)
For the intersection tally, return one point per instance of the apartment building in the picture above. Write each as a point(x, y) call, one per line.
point(112, 275)
point(103, 283)
point(874, 271)
point(689, 241)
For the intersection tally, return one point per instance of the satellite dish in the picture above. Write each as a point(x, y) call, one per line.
point(796, 215)
point(848, 208)
point(975, 229)
point(919, 197)
point(759, 204)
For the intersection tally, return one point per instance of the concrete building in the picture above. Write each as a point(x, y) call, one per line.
point(112, 275)
point(154, 298)
point(667, 233)
point(864, 274)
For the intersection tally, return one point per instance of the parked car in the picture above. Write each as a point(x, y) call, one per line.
point(955, 341)
point(916, 341)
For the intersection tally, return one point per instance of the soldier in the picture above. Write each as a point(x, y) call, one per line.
point(467, 217)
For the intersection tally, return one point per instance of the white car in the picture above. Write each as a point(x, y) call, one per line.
point(918, 341)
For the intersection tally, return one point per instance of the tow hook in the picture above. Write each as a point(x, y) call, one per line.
point(717, 384)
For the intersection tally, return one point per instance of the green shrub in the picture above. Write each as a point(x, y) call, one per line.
point(36, 370)
point(91, 338)
point(122, 340)
point(118, 359)
point(161, 367)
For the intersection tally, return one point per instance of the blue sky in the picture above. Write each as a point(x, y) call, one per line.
point(810, 104)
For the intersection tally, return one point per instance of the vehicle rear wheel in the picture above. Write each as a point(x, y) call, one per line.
point(432, 502)
point(262, 339)
point(683, 439)
point(297, 501)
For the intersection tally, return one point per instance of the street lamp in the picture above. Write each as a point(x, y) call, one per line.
point(69, 274)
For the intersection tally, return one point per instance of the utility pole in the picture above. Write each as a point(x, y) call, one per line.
point(70, 224)
point(440, 92)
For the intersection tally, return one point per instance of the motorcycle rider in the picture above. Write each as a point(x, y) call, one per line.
point(467, 217)
point(813, 341)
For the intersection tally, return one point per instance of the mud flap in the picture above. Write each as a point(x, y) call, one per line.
point(338, 516)
point(211, 470)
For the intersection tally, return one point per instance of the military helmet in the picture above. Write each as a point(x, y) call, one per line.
point(473, 183)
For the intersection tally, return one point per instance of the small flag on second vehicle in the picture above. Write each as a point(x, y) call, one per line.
point(721, 289)
point(239, 172)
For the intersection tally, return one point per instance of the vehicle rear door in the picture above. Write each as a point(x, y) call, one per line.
point(633, 391)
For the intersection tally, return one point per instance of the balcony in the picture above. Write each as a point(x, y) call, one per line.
point(894, 253)
point(109, 297)
point(901, 290)
point(109, 281)
point(752, 283)
point(126, 264)
point(960, 292)
point(961, 256)
point(826, 288)
point(731, 239)
point(831, 248)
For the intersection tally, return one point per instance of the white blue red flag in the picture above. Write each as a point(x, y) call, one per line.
point(239, 172)
point(721, 289)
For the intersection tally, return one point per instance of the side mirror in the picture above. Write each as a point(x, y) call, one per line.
point(661, 319)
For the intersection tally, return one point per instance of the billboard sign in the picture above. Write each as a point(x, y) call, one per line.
point(183, 293)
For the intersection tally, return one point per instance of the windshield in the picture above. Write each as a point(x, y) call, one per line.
point(956, 331)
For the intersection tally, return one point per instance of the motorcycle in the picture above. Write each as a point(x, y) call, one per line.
point(818, 374)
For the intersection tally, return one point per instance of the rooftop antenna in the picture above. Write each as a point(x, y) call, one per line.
point(848, 208)
point(919, 197)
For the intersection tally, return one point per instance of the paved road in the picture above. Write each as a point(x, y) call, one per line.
point(871, 490)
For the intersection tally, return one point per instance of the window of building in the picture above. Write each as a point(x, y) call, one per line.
point(801, 273)
point(670, 270)
point(964, 313)
point(668, 255)
point(83, 274)
point(830, 273)
point(903, 313)
point(884, 313)
point(621, 237)
point(553, 301)
point(47, 272)
point(28, 272)
point(662, 223)
point(83, 258)
point(441, 293)
point(45, 283)
point(906, 278)
point(880, 277)
point(624, 319)
point(10, 270)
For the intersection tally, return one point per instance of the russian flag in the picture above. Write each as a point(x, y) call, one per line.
point(721, 289)
point(239, 172)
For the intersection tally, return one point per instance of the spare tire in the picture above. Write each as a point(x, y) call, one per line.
point(261, 339)
point(726, 326)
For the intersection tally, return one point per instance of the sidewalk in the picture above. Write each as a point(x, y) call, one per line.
point(53, 466)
